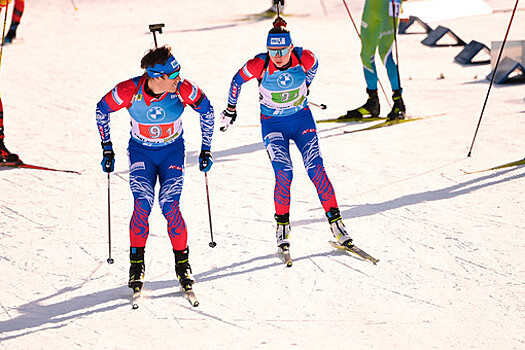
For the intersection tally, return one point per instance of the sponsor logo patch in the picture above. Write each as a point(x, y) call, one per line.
point(285, 80)
point(156, 114)
point(278, 41)
point(308, 130)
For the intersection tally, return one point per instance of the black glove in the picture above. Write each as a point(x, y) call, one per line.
point(108, 160)
point(205, 161)
point(227, 118)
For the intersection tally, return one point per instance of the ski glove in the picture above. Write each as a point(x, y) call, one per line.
point(108, 160)
point(227, 118)
point(205, 161)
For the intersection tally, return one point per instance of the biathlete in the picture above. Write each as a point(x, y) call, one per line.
point(155, 102)
point(285, 73)
point(18, 11)
point(377, 33)
point(5, 155)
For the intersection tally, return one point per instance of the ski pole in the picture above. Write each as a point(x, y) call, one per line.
point(212, 243)
point(492, 78)
point(74, 5)
point(110, 260)
point(156, 28)
point(395, 42)
point(322, 105)
point(359, 35)
point(3, 33)
point(324, 8)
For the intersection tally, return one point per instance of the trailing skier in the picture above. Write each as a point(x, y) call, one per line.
point(285, 73)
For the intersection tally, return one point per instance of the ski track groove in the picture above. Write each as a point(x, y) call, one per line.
point(349, 266)
point(315, 264)
point(24, 217)
point(6, 311)
point(483, 267)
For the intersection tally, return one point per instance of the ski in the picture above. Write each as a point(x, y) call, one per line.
point(384, 124)
point(388, 123)
point(36, 167)
point(507, 165)
point(187, 290)
point(268, 14)
point(342, 119)
point(355, 250)
point(284, 253)
point(137, 295)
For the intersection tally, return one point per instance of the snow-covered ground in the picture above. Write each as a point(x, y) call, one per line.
point(452, 272)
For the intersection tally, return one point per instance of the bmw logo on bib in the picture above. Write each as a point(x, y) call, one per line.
point(285, 80)
point(156, 114)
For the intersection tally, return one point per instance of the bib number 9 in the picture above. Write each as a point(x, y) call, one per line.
point(155, 131)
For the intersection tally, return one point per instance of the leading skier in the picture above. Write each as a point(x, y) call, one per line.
point(155, 102)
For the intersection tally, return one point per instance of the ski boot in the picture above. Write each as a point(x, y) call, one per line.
point(338, 227)
point(371, 108)
point(137, 268)
point(6, 156)
point(183, 268)
point(398, 110)
point(11, 34)
point(283, 231)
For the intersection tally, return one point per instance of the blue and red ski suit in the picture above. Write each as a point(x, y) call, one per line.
point(285, 116)
point(156, 149)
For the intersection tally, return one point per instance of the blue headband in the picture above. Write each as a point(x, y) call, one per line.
point(158, 70)
point(279, 40)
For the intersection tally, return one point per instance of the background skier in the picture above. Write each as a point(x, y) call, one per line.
point(15, 20)
point(377, 33)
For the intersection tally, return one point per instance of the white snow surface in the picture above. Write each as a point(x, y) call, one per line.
point(438, 10)
point(452, 270)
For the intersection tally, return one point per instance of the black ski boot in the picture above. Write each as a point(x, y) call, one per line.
point(6, 156)
point(283, 231)
point(371, 108)
point(11, 34)
point(183, 268)
point(136, 269)
point(398, 110)
point(338, 227)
